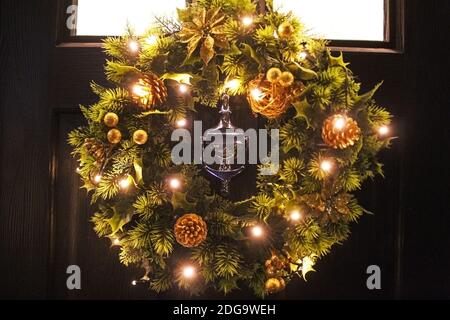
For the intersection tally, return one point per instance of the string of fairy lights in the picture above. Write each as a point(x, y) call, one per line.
point(140, 89)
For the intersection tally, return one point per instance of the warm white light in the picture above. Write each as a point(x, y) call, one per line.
point(302, 55)
point(78, 170)
point(257, 231)
point(384, 130)
point(151, 40)
point(295, 215)
point(124, 183)
point(116, 242)
point(140, 90)
point(98, 178)
point(175, 183)
point(183, 88)
point(133, 45)
point(275, 34)
point(188, 272)
point(181, 123)
point(339, 123)
point(134, 282)
point(257, 94)
point(233, 84)
point(247, 21)
point(326, 165)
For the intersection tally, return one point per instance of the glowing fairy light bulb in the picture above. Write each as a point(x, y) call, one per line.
point(257, 232)
point(78, 170)
point(295, 215)
point(133, 45)
point(339, 123)
point(384, 130)
point(326, 165)
point(233, 85)
point(98, 178)
point(302, 55)
point(134, 282)
point(188, 272)
point(151, 40)
point(116, 242)
point(183, 88)
point(174, 183)
point(247, 21)
point(124, 183)
point(257, 94)
point(181, 123)
point(140, 90)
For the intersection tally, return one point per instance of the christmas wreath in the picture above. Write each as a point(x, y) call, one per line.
point(167, 218)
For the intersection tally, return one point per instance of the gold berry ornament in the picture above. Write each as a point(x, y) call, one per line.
point(274, 285)
point(273, 75)
point(140, 137)
point(114, 136)
point(111, 119)
point(190, 230)
point(339, 131)
point(286, 30)
point(286, 79)
point(275, 265)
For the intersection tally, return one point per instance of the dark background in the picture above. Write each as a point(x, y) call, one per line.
point(44, 215)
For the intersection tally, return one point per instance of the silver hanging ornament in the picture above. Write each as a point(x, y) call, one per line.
point(226, 141)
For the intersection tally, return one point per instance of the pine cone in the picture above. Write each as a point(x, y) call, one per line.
point(96, 149)
point(340, 131)
point(190, 230)
point(149, 91)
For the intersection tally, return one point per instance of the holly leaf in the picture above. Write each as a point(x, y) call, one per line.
point(250, 52)
point(307, 265)
point(178, 77)
point(179, 201)
point(302, 72)
point(361, 101)
point(137, 163)
point(117, 221)
point(337, 61)
point(301, 109)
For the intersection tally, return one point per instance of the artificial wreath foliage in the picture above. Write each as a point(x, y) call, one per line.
point(149, 206)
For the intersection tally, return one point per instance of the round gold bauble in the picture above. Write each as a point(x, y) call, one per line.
point(140, 137)
point(286, 79)
point(286, 30)
point(273, 75)
point(111, 119)
point(114, 136)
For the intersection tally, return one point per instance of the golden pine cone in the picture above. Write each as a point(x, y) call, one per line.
point(149, 91)
point(340, 131)
point(96, 149)
point(190, 230)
